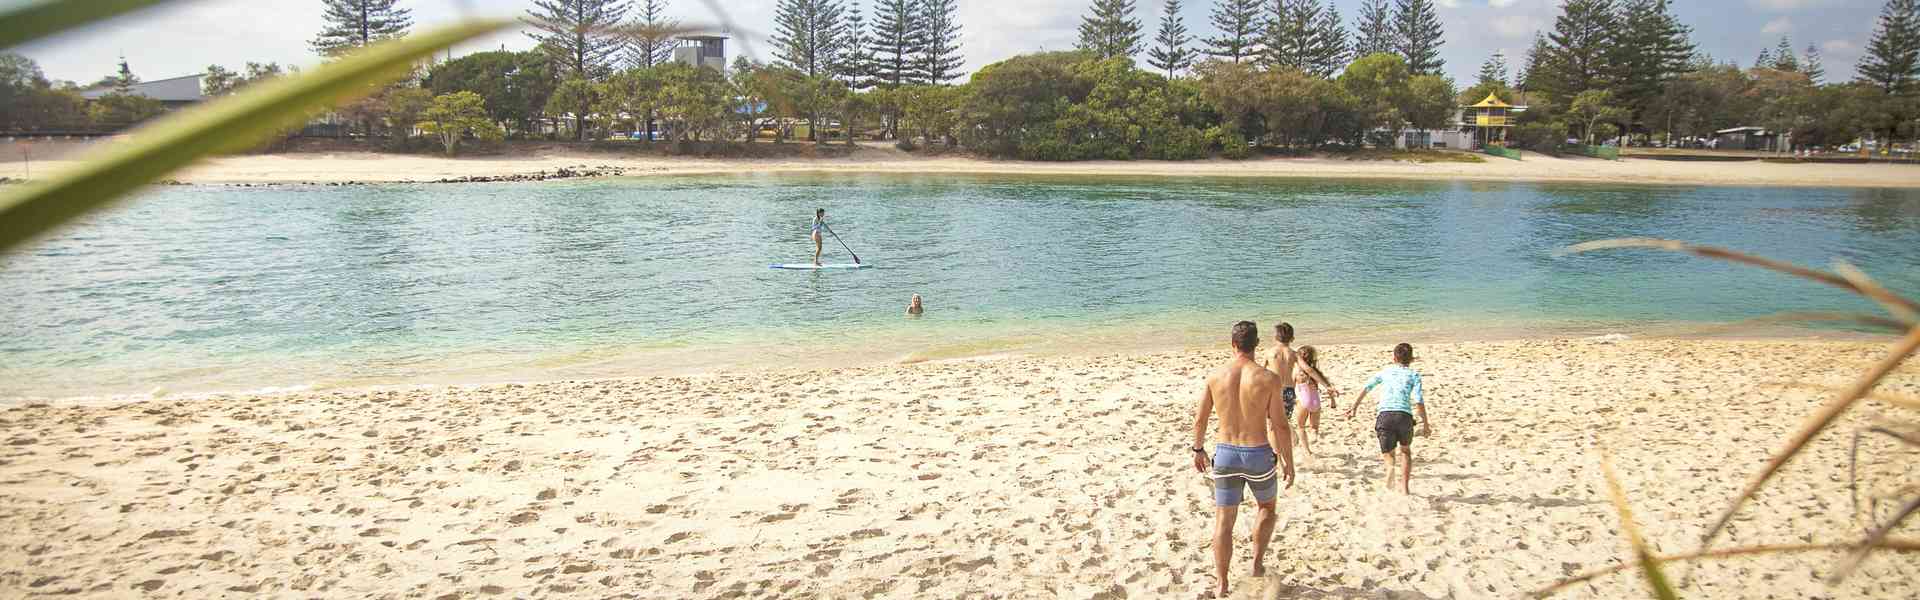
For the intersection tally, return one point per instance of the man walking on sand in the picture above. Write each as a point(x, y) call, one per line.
point(1252, 425)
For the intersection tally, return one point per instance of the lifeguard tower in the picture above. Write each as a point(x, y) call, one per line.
point(702, 51)
point(1489, 120)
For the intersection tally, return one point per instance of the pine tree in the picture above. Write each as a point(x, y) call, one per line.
point(1171, 53)
point(1110, 31)
point(1651, 48)
point(1494, 71)
point(1288, 35)
point(353, 24)
point(124, 79)
point(852, 62)
point(940, 58)
point(579, 36)
point(1533, 72)
point(1331, 50)
point(1892, 60)
point(809, 35)
point(1374, 31)
point(1577, 51)
point(1810, 63)
point(1240, 29)
point(1765, 60)
point(895, 42)
point(1418, 36)
point(651, 35)
point(1783, 58)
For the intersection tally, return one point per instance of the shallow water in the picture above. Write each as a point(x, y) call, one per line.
point(216, 288)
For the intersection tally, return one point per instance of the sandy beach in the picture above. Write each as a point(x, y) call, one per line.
point(335, 167)
point(1013, 477)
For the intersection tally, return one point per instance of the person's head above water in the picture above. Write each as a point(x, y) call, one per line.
point(1246, 336)
point(1283, 332)
point(1403, 354)
point(914, 305)
point(819, 213)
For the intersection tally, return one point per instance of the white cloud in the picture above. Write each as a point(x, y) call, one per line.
point(1837, 46)
point(1448, 3)
point(1518, 26)
point(1780, 25)
point(1785, 5)
point(1501, 3)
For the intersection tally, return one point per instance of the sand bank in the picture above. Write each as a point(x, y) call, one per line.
point(371, 167)
point(1008, 477)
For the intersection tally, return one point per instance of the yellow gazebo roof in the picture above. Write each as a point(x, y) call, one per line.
point(1492, 101)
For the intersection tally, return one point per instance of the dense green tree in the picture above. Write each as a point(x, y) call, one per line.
point(1593, 108)
point(29, 102)
point(405, 107)
point(940, 58)
point(932, 112)
point(575, 97)
point(650, 37)
point(218, 81)
point(1892, 59)
point(515, 86)
point(1110, 30)
point(1784, 102)
point(452, 117)
point(1418, 36)
point(1533, 68)
point(1379, 86)
point(1303, 35)
point(118, 110)
point(582, 38)
point(853, 65)
point(1076, 106)
point(122, 79)
point(1373, 33)
point(353, 24)
point(1170, 52)
point(697, 103)
point(1240, 29)
point(1429, 102)
point(897, 39)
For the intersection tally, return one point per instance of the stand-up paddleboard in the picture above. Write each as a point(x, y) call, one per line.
point(814, 267)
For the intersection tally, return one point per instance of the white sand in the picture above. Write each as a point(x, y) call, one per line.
point(370, 167)
point(1012, 477)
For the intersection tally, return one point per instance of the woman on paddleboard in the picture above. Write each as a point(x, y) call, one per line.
point(819, 224)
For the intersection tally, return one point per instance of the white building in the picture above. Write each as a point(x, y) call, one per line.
point(702, 51)
point(174, 93)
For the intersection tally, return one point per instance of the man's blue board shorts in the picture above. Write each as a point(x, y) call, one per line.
point(1233, 468)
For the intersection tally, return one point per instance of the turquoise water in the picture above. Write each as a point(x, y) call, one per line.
point(217, 288)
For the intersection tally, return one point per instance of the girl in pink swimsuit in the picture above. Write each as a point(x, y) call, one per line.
point(1308, 392)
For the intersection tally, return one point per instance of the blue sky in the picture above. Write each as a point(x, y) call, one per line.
point(185, 38)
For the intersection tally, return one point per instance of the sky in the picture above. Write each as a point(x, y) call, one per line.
point(187, 36)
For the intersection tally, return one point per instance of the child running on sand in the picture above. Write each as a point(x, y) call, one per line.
point(1308, 390)
point(1400, 396)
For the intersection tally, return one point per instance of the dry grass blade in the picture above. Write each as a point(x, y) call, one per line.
point(1876, 537)
point(1894, 544)
point(1894, 304)
point(1884, 397)
point(1649, 564)
point(1732, 256)
point(1813, 425)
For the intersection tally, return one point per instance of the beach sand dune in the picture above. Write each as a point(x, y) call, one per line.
point(1013, 477)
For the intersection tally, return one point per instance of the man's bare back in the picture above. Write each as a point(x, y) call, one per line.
point(1243, 394)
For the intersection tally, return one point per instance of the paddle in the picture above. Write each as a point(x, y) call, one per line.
point(843, 245)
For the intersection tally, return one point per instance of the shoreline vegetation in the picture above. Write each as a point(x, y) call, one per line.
point(324, 164)
point(966, 478)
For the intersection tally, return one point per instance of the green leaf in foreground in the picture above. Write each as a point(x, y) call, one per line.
point(232, 123)
point(38, 19)
point(1657, 581)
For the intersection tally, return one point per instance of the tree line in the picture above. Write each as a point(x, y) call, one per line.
point(1278, 74)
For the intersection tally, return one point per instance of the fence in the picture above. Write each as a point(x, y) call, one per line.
point(1606, 152)
point(1503, 151)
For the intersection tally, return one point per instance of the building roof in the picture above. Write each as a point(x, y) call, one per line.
point(1492, 101)
point(1747, 129)
point(178, 89)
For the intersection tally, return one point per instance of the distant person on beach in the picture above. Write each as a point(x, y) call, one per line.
point(819, 225)
point(1400, 396)
point(914, 308)
point(1308, 390)
point(1247, 396)
point(1286, 359)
